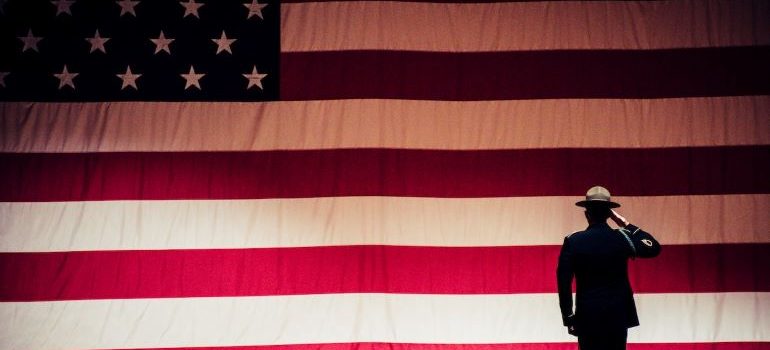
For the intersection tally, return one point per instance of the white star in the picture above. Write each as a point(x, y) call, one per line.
point(127, 6)
point(30, 41)
point(223, 43)
point(255, 8)
point(2, 78)
point(191, 8)
point(129, 79)
point(65, 78)
point(193, 79)
point(63, 6)
point(162, 43)
point(97, 42)
point(255, 78)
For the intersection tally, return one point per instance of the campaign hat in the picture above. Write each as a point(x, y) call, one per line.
point(597, 196)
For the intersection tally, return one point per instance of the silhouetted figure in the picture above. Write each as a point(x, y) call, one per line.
point(598, 260)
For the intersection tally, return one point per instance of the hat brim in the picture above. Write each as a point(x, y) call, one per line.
point(598, 203)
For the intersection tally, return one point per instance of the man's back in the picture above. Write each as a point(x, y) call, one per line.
point(599, 260)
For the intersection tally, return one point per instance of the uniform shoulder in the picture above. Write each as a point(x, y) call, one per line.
point(573, 234)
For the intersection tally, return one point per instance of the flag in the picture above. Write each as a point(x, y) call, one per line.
point(375, 174)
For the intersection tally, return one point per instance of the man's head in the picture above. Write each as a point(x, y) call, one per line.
point(597, 213)
point(598, 204)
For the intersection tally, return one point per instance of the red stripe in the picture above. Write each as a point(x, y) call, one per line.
point(357, 269)
point(383, 172)
point(525, 74)
point(530, 346)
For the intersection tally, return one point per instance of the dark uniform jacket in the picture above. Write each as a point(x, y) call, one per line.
point(598, 260)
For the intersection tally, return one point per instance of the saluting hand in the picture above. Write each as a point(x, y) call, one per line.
point(619, 219)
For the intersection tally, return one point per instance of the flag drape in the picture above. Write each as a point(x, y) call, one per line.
point(410, 187)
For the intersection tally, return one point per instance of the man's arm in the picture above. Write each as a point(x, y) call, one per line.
point(564, 275)
point(644, 244)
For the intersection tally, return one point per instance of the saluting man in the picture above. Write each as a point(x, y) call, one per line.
point(598, 260)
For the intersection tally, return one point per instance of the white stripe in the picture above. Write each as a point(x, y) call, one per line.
point(401, 318)
point(183, 224)
point(450, 125)
point(521, 26)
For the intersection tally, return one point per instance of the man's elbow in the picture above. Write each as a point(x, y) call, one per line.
point(656, 251)
point(651, 252)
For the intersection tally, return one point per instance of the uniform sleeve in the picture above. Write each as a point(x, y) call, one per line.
point(646, 245)
point(564, 276)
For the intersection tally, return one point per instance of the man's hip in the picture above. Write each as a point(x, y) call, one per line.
point(614, 339)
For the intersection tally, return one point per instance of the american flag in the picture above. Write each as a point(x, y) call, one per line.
point(128, 50)
point(375, 174)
